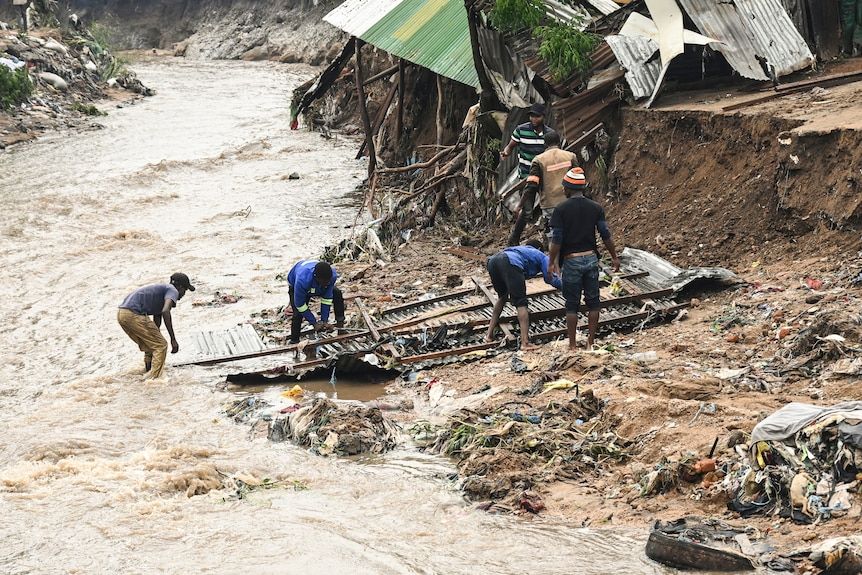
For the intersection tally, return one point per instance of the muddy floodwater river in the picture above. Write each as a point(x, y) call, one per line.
point(96, 465)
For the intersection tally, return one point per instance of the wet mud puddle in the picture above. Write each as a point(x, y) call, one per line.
point(101, 472)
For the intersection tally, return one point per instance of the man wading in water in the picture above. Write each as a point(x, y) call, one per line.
point(154, 300)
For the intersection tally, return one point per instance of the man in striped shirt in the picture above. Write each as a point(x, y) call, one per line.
point(529, 138)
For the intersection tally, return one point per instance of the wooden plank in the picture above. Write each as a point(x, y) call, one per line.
point(466, 254)
point(415, 304)
point(380, 75)
point(366, 121)
point(367, 319)
point(796, 87)
point(272, 351)
point(448, 352)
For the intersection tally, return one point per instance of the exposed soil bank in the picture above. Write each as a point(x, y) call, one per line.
point(220, 29)
point(704, 187)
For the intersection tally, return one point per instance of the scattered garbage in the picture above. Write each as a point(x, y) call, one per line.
point(645, 358)
point(328, 427)
point(704, 545)
point(804, 462)
point(500, 453)
point(218, 298)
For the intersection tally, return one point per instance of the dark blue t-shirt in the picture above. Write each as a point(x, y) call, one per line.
point(150, 300)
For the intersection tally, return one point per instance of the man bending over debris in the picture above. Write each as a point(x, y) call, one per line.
point(310, 279)
point(508, 270)
point(573, 243)
point(546, 181)
point(153, 300)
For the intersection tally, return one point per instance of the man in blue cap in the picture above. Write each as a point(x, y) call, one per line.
point(311, 279)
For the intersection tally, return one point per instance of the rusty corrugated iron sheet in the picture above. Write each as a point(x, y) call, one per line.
point(444, 328)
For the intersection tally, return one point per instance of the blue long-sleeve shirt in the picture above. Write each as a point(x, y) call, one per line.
point(305, 286)
point(532, 262)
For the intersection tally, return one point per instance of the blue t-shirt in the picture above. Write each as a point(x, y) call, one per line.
point(532, 262)
point(150, 300)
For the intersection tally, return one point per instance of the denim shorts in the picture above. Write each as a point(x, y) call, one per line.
point(581, 276)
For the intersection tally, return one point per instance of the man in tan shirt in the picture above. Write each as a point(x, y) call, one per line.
point(546, 180)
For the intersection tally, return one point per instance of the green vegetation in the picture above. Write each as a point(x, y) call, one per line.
point(566, 49)
point(88, 109)
point(98, 39)
point(15, 87)
point(513, 15)
point(563, 46)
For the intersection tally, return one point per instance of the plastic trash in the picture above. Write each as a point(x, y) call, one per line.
point(55, 80)
point(294, 391)
point(645, 357)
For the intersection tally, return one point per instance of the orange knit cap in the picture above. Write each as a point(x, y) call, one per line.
point(575, 179)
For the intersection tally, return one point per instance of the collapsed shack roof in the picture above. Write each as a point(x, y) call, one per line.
point(450, 327)
point(434, 35)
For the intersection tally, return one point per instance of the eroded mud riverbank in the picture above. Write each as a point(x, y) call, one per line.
point(101, 472)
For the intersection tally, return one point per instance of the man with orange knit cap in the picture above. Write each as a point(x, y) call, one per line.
point(574, 224)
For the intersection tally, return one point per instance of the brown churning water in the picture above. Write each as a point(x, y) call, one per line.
point(101, 472)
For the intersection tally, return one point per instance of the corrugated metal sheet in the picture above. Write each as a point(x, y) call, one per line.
point(234, 341)
point(748, 29)
point(430, 33)
point(635, 55)
point(781, 42)
point(604, 6)
point(443, 337)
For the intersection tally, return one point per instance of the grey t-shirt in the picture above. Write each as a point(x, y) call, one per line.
point(150, 300)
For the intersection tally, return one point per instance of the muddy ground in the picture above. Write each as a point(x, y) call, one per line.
point(665, 412)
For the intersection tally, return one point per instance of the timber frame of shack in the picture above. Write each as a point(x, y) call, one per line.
point(450, 327)
point(645, 45)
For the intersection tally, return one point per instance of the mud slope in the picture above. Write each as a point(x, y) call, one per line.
point(256, 30)
point(717, 188)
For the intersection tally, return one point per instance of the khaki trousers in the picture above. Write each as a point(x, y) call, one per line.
point(143, 331)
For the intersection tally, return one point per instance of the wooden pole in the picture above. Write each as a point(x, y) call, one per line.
point(399, 124)
point(363, 109)
point(439, 110)
point(380, 75)
point(488, 99)
point(381, 115)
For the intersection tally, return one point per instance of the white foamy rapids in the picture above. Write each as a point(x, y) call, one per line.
point(103, 472)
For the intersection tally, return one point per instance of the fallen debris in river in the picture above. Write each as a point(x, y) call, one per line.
point(336, 428)
point(503, 453)
point(704, 545)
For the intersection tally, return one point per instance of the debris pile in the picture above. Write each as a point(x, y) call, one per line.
point(504, 452)
point(711, 545)
point(69, 70)
point(803, 462)
point(336, 428)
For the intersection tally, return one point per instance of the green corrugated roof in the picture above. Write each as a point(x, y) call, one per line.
point(430, 33)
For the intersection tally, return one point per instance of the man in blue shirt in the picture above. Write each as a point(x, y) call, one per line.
point(508, 270)
point(154, 300)
point(311, 279)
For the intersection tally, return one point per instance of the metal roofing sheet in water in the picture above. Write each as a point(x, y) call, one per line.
point(430, 33)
